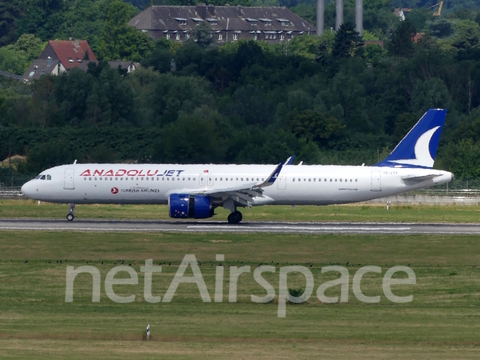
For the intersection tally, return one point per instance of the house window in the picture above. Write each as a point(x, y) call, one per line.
point(181, 21)
point(70, 60)
point(177, 36)
point(220, 37)
point(282, 37)
point(187, 36)
point(235, 37)
point(167, 36)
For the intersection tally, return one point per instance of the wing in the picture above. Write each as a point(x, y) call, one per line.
point(242, 194)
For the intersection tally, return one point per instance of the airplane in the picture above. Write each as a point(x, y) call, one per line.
point(194, 191)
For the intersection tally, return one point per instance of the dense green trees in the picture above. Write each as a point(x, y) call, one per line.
point(326, 99)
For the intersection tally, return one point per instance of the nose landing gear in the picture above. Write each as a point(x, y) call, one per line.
point(70, 215)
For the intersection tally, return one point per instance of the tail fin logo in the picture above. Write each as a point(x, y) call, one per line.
point(422, 151)
point(419, 147)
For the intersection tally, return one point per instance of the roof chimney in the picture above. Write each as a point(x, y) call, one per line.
point(201, 9)
point(211, 9)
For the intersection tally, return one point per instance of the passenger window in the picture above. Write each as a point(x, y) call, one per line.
point(188, 179)
point(193, 179)
point(293, 180)
point(309, 180)
point(314, 179)
point(355, 180)
point(331, 180)
point(258, 179)
point(226, 179)
point(84, 178)
point(241, 179)
point(340, 180)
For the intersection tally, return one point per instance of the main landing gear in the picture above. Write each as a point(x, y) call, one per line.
point(235, 217)
point(70, 215)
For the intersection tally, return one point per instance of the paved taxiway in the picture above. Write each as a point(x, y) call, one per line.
point(245, 227)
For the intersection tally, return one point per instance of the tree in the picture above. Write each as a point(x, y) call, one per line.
point(9, 15)
point(202, 34)
point(120, 41)
point(16, 58)
point(348, 42)
point(314, 126)
point(401, 43)
point(193, 138)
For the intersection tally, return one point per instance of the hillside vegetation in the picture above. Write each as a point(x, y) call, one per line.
point(326, 99)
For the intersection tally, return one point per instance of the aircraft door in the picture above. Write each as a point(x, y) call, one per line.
point(376, 181)
point(68, 181)
point(282, 183)
point(202, 179)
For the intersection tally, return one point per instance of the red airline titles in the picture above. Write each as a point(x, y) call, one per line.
point(133, 172)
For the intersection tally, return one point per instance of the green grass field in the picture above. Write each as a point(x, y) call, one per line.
point(373, 213)
point(443, 321)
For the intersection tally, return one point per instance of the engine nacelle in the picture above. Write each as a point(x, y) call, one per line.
point(189, 206)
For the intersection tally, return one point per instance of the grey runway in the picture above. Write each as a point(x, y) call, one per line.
point(246, 227)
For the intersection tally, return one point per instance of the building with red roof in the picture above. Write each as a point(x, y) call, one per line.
point(70, 53)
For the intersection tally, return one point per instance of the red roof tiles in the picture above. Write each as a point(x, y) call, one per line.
point(70, 52)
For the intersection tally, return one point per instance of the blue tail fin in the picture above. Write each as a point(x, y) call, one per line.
point(419, 147)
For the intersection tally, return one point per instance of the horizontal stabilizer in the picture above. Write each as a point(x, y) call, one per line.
point(419, 178)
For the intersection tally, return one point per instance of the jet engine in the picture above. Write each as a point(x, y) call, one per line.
point(183, 206)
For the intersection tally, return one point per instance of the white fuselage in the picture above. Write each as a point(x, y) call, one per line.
point(296, 185)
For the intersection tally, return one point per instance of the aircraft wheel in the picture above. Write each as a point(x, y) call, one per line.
point(234, 218)
point(70, 217)
point(239, 214)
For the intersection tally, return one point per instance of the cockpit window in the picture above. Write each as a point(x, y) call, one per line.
point(49, 177)
point(42, 177)
point(37, 177)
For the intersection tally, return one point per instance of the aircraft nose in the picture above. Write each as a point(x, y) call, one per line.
point(28, 189)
